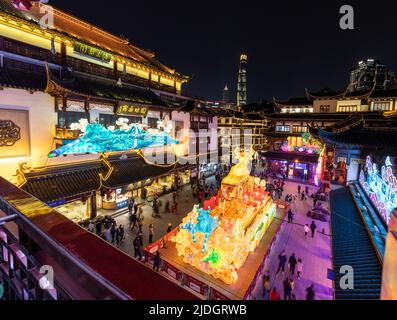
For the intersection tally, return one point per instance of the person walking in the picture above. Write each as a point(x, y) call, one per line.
point(199, 196)
point(98, 227)
point(132, 220)
point(292, 284)
point(135, 208)
point(310, 293)
point(108, 234)
point(138, 244)
point(174, 195)
point(307, 190)
point(299, 268)
point(313, 228)
point(299, 188)
point(287, 289)
point(157, 261)
point(140, 226)
point(151, 233)
point(314, 202)
point(282, 259)
point(307, 229)
point(274, 295)
point(290, 216)
point(119, 234)
point(266, 287)
point(91, 226)
point(113, 232)
point(130, 206)
point(292, 264)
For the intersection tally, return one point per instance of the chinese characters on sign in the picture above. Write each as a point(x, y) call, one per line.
point(87, 50)
point(380, 186)
point(132, 110)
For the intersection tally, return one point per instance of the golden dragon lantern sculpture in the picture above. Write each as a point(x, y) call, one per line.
point(218, 240)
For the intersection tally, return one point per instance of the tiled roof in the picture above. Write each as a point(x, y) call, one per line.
point(392, 93)
point(22, 79)
point(369, 137)
point(72, 180)
point(63, 182)
point(108, 89)
point(296, 101)
point(78, 29)
point(326, 93)
point(132, 170)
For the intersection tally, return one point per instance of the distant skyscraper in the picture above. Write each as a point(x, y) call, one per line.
point(226, 95)
point(368, 73)
point(242, 81)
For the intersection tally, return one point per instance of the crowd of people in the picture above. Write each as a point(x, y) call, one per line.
point(295, 264)
point(107, 229)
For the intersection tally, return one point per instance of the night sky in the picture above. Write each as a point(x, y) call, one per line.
point(291, 45)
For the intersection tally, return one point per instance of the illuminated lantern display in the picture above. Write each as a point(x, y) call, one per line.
point(218, 241)
point(25, 4)
point(380, 186)
point(97, 138)
point(304, 144)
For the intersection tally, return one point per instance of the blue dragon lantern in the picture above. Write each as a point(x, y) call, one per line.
point(97, 138)
point(205, 224)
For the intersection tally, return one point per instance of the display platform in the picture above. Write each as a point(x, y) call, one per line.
point(247, 274)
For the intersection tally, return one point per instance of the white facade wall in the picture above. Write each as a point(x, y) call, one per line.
point(42, 124)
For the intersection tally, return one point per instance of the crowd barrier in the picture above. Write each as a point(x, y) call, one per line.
point(204, 289)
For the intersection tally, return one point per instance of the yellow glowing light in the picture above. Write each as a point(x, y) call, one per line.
point(245, 211)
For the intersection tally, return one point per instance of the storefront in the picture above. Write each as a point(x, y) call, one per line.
point(114, 199)
point(76, 209)
point(118, 198)
point(291, 165)
point(208, 169)
point(293, 169)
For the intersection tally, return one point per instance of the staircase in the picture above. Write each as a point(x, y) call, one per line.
point(352, 246)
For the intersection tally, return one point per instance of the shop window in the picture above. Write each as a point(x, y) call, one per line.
point(152, 122)
point(178, 129)
point(299, 129)
point(348, 109)
point(325, 108)
point(381, 106)
point(110, 119)
point(66, 118)
point(282, 128)
point(107, 119)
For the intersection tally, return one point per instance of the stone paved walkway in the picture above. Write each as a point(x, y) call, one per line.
point(314, 252)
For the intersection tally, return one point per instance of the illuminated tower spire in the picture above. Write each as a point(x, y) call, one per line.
point(226, 94)
point(242, 81)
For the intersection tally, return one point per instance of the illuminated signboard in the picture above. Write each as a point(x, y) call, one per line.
point(92, 52)
point(380, 186)
point(132, 110)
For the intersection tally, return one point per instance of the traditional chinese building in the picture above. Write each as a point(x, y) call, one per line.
point(52, 79)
